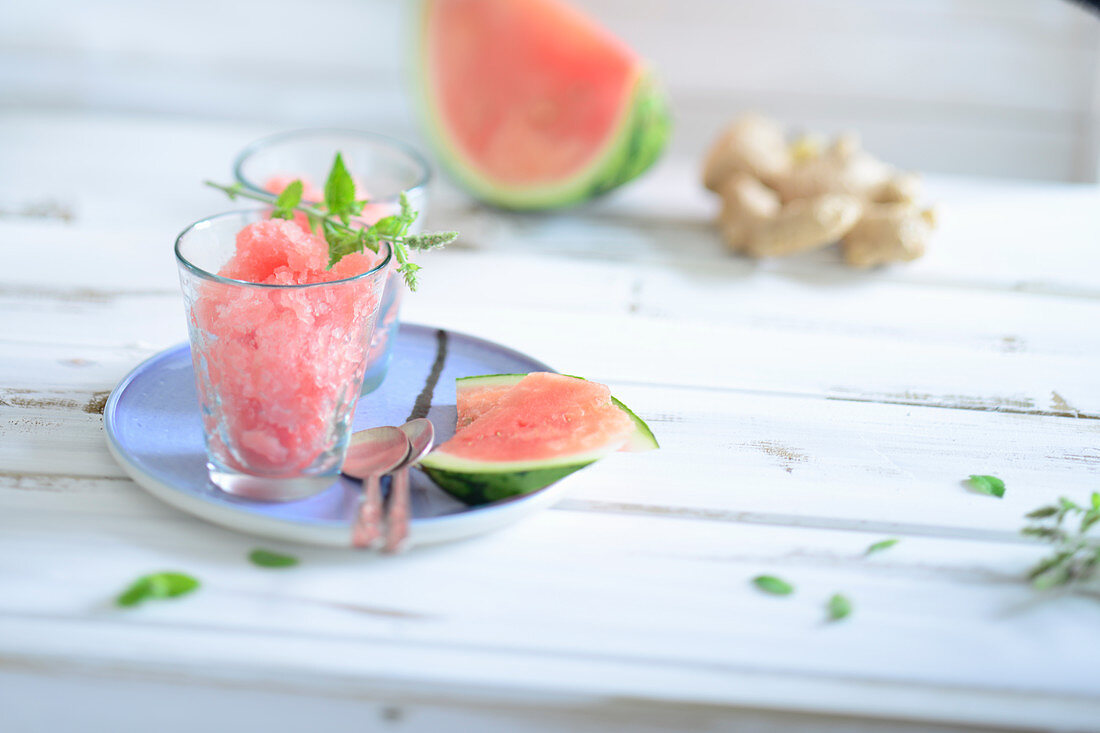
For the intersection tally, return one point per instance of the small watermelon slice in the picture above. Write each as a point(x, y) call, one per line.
point(533, 105)
point(518, 433)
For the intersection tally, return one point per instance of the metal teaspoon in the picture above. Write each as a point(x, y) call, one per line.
point(421, 436)
point(372, 454)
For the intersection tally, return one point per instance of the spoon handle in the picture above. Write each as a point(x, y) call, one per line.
point(368, 519)
point(397, 524)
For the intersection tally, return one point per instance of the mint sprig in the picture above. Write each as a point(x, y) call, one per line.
point(1076, 556)
point(334, 220)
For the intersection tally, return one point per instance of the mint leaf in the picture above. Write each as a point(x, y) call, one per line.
point(167, 584)
point(341, 242)
point(389, 226)
point(773, 585)
point(989, 485)
point(838, 607)
point(407, 213)
point(1042, 512)
point(408, 270)
point(135, 594)
point(880, 546)
point(268, 559)
point(340, 191)
point(288, 201)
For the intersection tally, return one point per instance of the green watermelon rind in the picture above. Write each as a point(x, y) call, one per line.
point(642, 439)
point(639, 139)
point(481, 482)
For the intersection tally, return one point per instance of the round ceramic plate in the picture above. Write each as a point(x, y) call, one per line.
point(154, 431)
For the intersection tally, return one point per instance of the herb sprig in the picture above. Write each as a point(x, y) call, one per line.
point(1076, 557)
point(334, 219)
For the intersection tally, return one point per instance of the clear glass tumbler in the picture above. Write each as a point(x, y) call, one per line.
point(279, 368)
point(382, 167)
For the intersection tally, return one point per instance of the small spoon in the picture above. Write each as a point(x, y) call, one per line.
point(421, 436)
point(372, 454)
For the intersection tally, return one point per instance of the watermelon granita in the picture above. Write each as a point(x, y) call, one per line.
point(278, 343)
point(390, 308)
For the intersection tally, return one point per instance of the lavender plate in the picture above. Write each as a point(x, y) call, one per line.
point(154, 431)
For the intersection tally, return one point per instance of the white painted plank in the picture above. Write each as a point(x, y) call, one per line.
point(946, 610)
point(101, 701)
point(726, 455)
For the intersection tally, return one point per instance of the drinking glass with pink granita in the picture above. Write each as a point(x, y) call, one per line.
point(382, 168)
point(278, 345)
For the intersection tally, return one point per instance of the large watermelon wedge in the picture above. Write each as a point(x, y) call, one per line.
point(532, 105)
point(518, 433)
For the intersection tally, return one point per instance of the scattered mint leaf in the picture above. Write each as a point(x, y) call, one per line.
point(1095, 500)
point(880, 546)
point(157, 585)
point(990, 485)
point(838, 607)
point(268, 559)
point(340, 191)
point(288, 201)
point(773, 585)
point(135, 594)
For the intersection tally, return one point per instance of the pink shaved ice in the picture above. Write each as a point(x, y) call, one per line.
point(280, 368)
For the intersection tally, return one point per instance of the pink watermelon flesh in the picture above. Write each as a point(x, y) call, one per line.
point(473, 402)
point(279, 361)
point(540, 417)
point(531, 91)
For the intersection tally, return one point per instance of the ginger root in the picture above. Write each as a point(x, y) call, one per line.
point(752, 145)
point(779, 198)
point(754, 222)
point(888, 233)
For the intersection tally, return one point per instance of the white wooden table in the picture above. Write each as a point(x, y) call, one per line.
point(804, 410)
